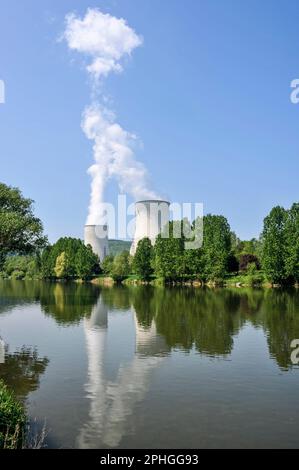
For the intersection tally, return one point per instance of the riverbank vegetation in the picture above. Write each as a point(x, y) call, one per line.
point(222, 258)
point(12, 420)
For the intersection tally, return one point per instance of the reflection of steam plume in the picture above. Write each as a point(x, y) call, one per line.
point(106, 40)
point(133, 381)
point(112, 403)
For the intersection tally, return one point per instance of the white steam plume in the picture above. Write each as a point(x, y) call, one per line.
point(107, 40)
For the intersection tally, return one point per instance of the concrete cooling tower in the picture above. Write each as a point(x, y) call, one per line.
point(97, 237)
point(150, 218)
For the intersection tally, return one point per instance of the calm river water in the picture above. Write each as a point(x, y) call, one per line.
point(153, 367)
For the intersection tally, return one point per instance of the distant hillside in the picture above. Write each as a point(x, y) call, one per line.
point(117, 246)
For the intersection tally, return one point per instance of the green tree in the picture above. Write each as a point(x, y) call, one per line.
point(26, 264)
point(251, 247)
point(193, 257)
point(87, 263)
point(20, 230)
point(216, 246)
point(194, 263)
point(71, 247)
point(62, 266)
point(236, 243)
point(142, 262)
point(292, 243)
point(46, 265)
point(169, 259)
point(274, 245)
point(121, 266)
point(107, 265)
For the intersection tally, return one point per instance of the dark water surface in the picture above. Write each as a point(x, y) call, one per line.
point(153, 367)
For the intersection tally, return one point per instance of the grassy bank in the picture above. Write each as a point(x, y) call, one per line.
point(12, 420)
point(238, 280)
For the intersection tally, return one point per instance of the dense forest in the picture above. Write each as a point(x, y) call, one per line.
point(274, 257)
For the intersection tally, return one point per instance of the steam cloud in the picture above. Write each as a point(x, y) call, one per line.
point(106, 40)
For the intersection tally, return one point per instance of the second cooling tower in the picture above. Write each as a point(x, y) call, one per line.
point(150, 218)
point(97, 237)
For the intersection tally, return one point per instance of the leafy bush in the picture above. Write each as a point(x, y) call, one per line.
point(121, 266)
point(107, 265)
point(255, 279)
point(18, 275)
point(12, 420)
point(143, 259)
point(19, 267)
point(248, 259)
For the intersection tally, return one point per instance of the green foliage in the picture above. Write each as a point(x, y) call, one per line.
point(247, 259)
point(68, 302)
point(277, 251)
point(239, 247)
point(292, 243)
point(18, 275)
point(32, 270)
point(78, 260)
point(107, 265)
point(194, 263)
point(62, 266)
point(20, 231)
point(280, 237)
point(254, 276)
point(21, 267)
point(142, 263)
point(274, 245)
point(12, 420)
point(216, 246)
point(22, 369)
point(169, 259)
point(121, 266)
point(118, 246)
point(87, 263)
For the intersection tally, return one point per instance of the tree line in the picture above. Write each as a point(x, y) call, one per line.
point(274, 257)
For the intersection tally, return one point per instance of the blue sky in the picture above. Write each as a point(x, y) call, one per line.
point(208, 93)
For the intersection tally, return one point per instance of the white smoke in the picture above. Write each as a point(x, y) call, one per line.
point(107, 41)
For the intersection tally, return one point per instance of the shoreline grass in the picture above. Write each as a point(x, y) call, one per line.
point(12, 420)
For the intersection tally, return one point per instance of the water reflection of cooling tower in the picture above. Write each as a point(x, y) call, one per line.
point(99, 316)
point(149, 342)
point(112, 403)
point(95, 328)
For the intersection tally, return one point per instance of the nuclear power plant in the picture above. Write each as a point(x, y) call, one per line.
point(97, 237)
point(150, 218)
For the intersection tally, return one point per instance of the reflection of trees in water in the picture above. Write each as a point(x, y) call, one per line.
point(145, 299)
point(202, 318)
point(68, 302)
point(116, 298)
point(14, 293)
point(22, 369)
point(280, 319)
point(206, 319)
